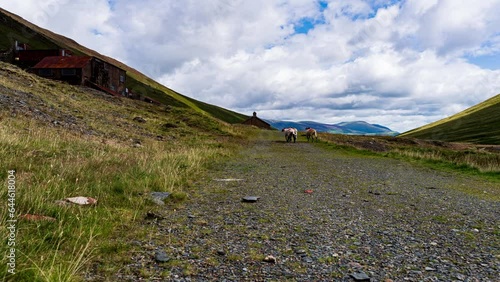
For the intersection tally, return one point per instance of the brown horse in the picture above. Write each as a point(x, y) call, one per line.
point(311, 134)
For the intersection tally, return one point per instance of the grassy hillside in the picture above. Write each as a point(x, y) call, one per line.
point(66, 141)
point(478, 124)
point(13, 28)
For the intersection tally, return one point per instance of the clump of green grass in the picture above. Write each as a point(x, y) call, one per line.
point(483, 162)
point(178, 196)
point(55, 269)
point(440, 218)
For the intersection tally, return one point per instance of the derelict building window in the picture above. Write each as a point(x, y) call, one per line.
point(68, 71)
point(45, 72)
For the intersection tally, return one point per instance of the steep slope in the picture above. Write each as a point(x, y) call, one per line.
point(82, 110)
point(13, 28)
point(478, 124)
point(59, 140)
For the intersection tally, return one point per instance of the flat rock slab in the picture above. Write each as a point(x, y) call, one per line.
point(82, 201)
point(250, 199)
point(227, 179)
point(159, 197)
point(360, 276)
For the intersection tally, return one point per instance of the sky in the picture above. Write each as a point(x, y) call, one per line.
point(401, 64)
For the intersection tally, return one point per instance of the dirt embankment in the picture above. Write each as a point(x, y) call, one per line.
point(323, 216)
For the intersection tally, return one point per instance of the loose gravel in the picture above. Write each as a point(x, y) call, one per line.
point(323, 215)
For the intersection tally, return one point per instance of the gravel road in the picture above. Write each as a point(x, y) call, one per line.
point(325, 216)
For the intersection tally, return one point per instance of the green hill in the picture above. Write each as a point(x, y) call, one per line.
point(13, 27)
point(60, 140)
point(478, 124)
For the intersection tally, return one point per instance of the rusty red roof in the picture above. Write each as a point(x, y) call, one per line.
point(60, 62)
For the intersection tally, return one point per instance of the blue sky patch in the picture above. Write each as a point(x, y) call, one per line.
point(305, 24)
point(112, 4)
point(323, 5)
point(383, 4)
point(95, 31)
point(376, 5)
point(491, 62)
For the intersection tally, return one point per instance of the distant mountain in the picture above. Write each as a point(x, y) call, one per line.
point(478, 124)
point(350, 128)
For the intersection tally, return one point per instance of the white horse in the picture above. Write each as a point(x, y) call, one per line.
point(311, 134)
point(290, 133)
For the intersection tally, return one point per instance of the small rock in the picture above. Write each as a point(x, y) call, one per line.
point(427, 268)
point(270, 259)
point(360, 276)
point(250, 199)
point(83, 201)
point(300, 252)
point(307, 259)
point(169, 125)
point(228, 179)
point(161, 256)
point(151, 215)
point(460, 277)
point(221, 252)
point(136, 243)
point(139, 120)
point(159, 197)
point(355, 265)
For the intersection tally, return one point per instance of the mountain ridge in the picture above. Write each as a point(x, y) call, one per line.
point(349, 128)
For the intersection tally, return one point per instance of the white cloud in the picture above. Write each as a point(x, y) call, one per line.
point(397, 63)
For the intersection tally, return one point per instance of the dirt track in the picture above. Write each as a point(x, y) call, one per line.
point(365, 217)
